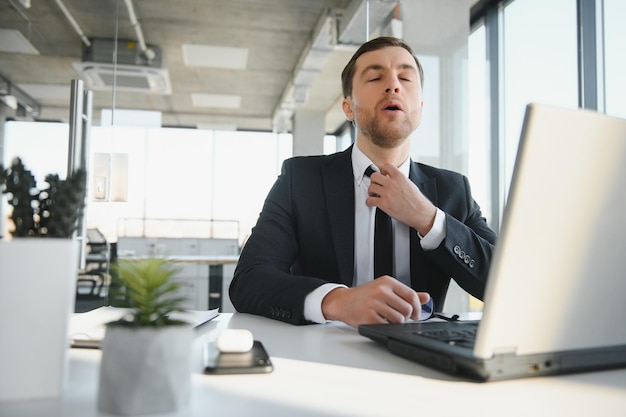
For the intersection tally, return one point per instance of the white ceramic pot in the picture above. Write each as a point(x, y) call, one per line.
point(145, 370)
point(37, 295)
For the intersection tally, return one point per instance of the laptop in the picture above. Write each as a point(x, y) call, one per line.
point(556, 292)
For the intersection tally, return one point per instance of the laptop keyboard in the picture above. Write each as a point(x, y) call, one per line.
point(459, 336)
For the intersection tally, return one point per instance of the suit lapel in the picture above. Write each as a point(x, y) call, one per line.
point(339, 187)
point(428, 186)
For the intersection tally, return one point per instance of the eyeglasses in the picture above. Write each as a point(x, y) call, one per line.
point(427, 313)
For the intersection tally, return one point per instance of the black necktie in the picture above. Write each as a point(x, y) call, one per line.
point(383, 241)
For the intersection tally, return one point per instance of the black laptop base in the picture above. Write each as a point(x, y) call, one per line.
point(459, 361)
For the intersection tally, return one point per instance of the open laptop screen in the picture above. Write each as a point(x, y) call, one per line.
point(557, 280)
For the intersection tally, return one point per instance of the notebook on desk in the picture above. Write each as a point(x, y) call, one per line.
point(556, 293)
point(86, 330)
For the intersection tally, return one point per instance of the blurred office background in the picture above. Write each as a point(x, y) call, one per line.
point(197, 103)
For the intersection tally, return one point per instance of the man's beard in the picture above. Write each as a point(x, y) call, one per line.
point(385, 137)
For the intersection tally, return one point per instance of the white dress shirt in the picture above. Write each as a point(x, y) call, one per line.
point(364, 239)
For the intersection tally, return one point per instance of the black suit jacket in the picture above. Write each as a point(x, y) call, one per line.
point(304, 238)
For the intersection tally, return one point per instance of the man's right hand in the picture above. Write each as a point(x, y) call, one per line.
point(383, 300)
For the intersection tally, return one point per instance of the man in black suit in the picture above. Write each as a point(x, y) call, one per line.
point(309, 257)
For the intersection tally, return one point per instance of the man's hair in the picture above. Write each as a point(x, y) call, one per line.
point(347, 74)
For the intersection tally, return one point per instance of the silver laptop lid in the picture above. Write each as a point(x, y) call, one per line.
point(558, 278)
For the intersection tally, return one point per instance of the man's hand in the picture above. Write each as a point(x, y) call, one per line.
point(400, 198)
point(383, 300)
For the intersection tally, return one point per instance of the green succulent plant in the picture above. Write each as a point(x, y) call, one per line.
point(146, 288)
point(50, 212)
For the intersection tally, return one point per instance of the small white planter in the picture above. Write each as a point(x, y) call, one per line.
point(37, 293)
point(145, 370)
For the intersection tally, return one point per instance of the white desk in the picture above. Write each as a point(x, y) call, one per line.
point(330, 370)
point(199, 259)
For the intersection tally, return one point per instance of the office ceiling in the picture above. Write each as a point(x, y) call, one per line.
point(271, 57)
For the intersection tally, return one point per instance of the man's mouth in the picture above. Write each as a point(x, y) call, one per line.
point(392, 106)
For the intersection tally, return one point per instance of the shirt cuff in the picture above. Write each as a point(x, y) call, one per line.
point(313, 302)
point(437, 233)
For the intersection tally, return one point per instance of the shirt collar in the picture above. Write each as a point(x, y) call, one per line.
point(360, 162)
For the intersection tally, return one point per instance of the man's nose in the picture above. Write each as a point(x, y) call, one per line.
point(394, 87)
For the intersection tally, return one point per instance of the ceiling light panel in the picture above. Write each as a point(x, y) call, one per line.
point(13, 41)
point(226, 101)
point(215, 56)
point(49, 92)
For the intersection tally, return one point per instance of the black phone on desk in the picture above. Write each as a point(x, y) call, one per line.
point(254, 361)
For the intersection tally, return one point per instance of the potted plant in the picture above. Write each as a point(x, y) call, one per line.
point(53, 211)
point(145, 365)
point(38, 272)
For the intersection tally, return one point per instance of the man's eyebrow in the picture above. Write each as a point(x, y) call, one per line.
point(376, 67)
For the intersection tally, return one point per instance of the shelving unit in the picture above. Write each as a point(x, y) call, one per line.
point(204, 266)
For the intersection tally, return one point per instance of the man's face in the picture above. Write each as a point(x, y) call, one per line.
point(386, 100)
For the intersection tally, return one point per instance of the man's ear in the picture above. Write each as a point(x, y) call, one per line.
point(346, 106)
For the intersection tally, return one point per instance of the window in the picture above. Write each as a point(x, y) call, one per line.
point(614, 58)
point(479, 136)
point(540, 64)
point(179, 179)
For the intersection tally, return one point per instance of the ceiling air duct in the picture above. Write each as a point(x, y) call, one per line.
point(362, 19)
point(134, 70)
